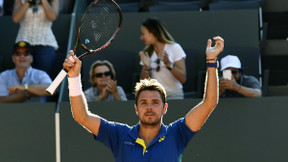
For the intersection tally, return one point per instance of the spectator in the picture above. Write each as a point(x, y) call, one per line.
point(162, 59)
point(104, 87)
point(239, 85)
point(23, 83)
point(36, 17)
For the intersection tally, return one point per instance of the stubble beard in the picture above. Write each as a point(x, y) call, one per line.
point(150, 122)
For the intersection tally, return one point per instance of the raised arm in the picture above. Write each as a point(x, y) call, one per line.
point(19, 10)
point(78, 101)
point(197, 116)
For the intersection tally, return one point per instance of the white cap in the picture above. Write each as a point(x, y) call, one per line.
point(230, 61)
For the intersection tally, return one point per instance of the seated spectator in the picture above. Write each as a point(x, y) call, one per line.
point(239, 85)
point(23, 83)
point(104, 87)
point(162, 58)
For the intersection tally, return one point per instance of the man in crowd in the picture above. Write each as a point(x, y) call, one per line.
point(239, 84)
point(23, 83)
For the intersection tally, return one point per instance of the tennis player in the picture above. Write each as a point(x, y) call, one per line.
point(149, 140)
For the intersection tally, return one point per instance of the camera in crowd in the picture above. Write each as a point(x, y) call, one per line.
point(33, 3)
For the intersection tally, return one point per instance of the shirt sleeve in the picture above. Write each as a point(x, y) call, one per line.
point(253, 82)
point(110, 132)
point(178, 52)
point(183, 133)
point(43, 78)
point(3, 86)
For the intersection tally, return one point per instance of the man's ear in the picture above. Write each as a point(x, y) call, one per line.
point(136, 109)
point(165, 108)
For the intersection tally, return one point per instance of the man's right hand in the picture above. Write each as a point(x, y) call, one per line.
point(72, 64)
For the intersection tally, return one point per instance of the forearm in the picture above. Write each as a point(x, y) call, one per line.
point(79, 106)
point(199, 114)
point(19, 11)
point(52, 10)
point(18, 97)
point(179, 74)
point(211, 91)
point(249, 92)
point(38, 89)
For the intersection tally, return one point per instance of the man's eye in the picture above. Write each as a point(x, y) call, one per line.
point(155, 103)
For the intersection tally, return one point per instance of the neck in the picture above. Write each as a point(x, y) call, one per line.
point(159, 47)
point(21, 72)
point(149, 132)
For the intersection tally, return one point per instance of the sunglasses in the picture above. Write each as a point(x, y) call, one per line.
point(158, 64)
point(234, 72)
point(17, 53)
point(99, 75)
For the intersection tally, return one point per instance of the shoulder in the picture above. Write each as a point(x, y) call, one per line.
point(174, 46)
point(249, 78)
point(120, 127)
point(89, 90)
point(119, 88)
point(250, 81)
point(6, 72)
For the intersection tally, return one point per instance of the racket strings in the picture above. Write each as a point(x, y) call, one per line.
point(99, 25)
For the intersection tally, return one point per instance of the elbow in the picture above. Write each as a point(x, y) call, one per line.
point(183, 80)
point(79, 119)
point(211, 103)
point(15, 20)
point(52, 18)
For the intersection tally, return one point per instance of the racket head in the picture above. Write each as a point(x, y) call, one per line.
point(99, 25)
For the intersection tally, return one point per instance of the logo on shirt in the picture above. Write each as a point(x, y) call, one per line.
point(128, 143)
point(161, 139)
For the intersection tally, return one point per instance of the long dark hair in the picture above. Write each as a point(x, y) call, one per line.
point(158, 29)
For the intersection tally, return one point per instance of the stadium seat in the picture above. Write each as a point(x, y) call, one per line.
point(190, 87)
point(220, 5)
point(176, 6)
point(129, 7)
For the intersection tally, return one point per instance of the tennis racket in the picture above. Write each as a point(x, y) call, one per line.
point(98, 26)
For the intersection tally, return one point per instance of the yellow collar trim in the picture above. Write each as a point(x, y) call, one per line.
point(142, 143)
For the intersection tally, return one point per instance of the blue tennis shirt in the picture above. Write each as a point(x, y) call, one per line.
point(127, 146)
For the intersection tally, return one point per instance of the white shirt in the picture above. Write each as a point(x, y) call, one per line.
point(36, 29)
point(172, 86)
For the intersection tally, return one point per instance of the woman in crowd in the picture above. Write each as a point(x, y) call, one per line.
point(104, 87)
point(162, 58)
point(36, 18)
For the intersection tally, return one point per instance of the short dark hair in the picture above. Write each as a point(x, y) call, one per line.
point(150, 85)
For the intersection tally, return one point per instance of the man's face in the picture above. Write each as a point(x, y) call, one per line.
point(22, 58)
point(150, 108)
point(236, 73)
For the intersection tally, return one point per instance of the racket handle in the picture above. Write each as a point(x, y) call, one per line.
point(53, 86)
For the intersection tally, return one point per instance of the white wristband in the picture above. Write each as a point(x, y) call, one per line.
point(75, 86)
